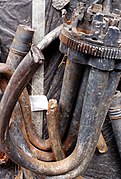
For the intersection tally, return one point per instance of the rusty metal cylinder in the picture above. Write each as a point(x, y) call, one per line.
point(115, 116)
point(68, 93)
point(20, 46)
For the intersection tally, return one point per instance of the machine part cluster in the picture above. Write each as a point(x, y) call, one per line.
point(94, 30)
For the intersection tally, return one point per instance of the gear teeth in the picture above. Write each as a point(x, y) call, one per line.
point(87, 48)
point(105, 52)
point(114, 54)
point(108, 53)
point(117, 54)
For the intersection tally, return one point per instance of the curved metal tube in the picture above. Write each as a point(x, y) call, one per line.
point(20, 114)
point(71, 162)
point(98, 83)
point(114, 78)
point(32, 135)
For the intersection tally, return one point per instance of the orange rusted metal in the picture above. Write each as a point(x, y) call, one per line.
point(53, 117)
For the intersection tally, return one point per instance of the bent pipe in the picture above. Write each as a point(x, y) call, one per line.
point(21, 99)
point(20, 46)
point(18, 56)
point(6, 73)
point(33, 137)
point(21, 111)
point(114, 78)
point(23, 74)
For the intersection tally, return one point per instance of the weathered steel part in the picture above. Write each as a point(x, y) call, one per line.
point(17, 130)
point(15, 134)
point(20, 46)
point(53, 130)
point(88, 48)
point(115, 117)
point(34, 165)
point(94, 30)
point(26, 34)
point(32, 135)
point(89, 32)
point(114, 78)
point(48, 39)
point(60, 4)
point(34, 58)
point(101, 145)
point(24, 104)
point(21, 141)
point(39, 154)
point(71, 138)
point(73, 130)
point(20, 113)
point(70, 84)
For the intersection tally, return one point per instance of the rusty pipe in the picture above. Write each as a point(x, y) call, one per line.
point(114, 77)
point(42, 168)
point(20, 46)
point(70, 84)
point(17, 116)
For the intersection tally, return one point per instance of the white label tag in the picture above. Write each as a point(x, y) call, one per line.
point(38, 102)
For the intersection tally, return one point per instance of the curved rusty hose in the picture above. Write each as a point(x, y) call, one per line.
point(23, 74)
point(19, 48)
point(18, 112)
point(33, 137)
point(114, 77)
point(25, 107)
